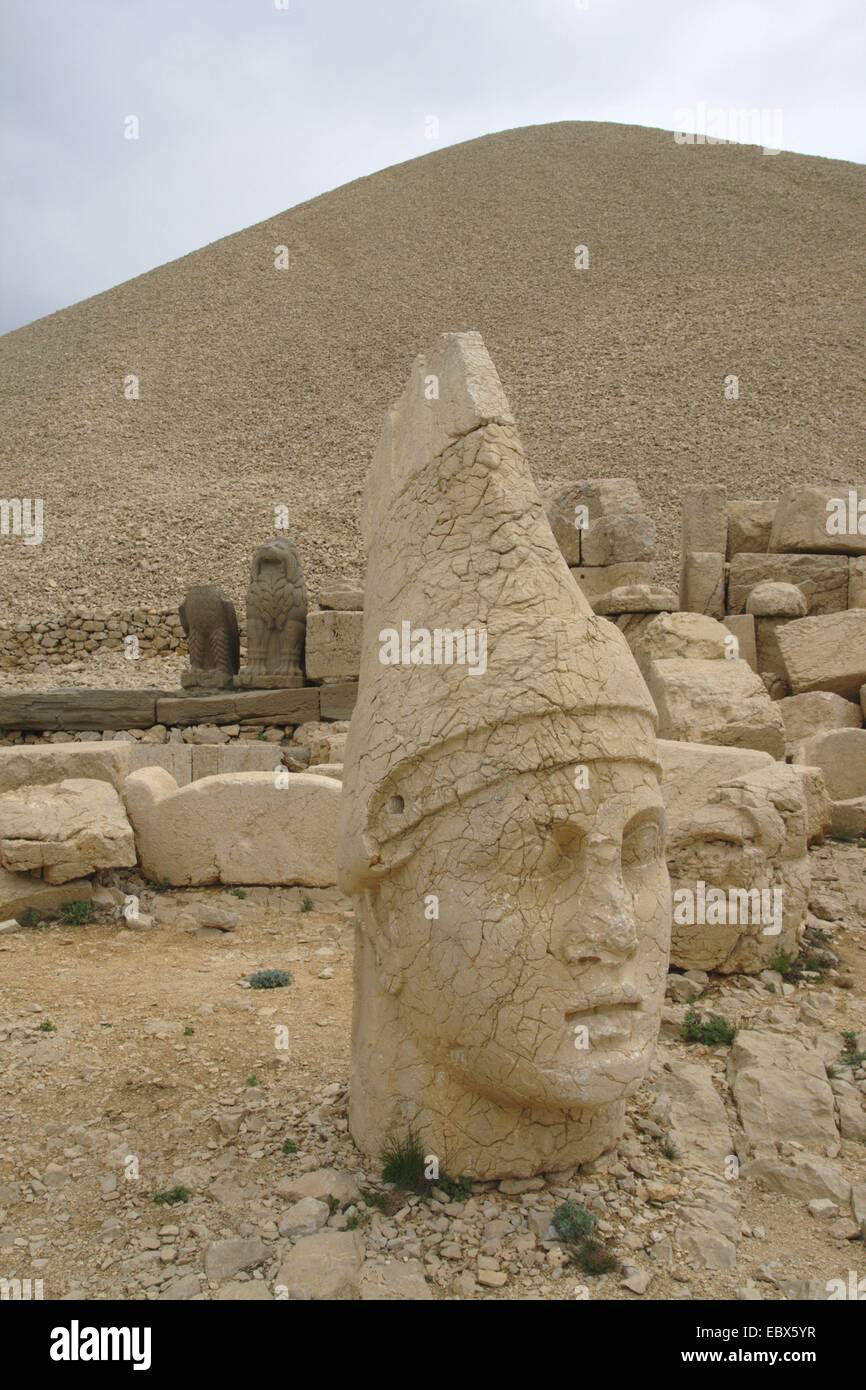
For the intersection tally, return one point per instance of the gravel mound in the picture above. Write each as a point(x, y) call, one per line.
point(262, 387)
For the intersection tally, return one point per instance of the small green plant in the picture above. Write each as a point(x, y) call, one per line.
point(270, 979)
point(782, 963)
point(306, 903)
point(333, 1203)
point(188, 1032)
point(594, 1258)
point(238, 892)
point(851, 1054)
point(77, 913)
point(252, 1080)
point(29, 917)
point(403, 1164)
point(573, 1223)
point(712, 1032)
point(160, 885)
point(260, 736)
point(458, 1189)
point(352, 1223)
point(172, 1197)
point(669, 1150)
point(386, 1202)
point(46, 1026)
point(793, 968)
point(289, 1146)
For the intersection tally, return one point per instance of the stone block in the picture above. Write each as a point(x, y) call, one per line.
point(821, 520)
point(705, 519)
point(240, 828)
point(293, 706)
point(79, 709)
point(334, 645)
point(720, 702)
point(702, 583)
point(29, 765)
point(65, 830)
point(749, 526)
point(742, 626)
point(337, 700)
point(623, 539)
point(823, 579)
point(593, 581)
point(825, 653)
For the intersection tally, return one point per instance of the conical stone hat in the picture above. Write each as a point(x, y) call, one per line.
point(458, 543)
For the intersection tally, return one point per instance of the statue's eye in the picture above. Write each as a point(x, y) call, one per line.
point(557, 847)
point(642, 844)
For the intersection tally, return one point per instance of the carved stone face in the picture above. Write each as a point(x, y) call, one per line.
point(747, 841)
point(540, 982)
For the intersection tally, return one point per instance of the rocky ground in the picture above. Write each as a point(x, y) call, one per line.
point(170, 1132)
point(101, 671)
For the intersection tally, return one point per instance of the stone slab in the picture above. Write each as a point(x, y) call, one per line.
point(293, 706)
point(337, 700)
point(79, 709)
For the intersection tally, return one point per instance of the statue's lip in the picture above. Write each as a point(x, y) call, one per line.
point(612, 999)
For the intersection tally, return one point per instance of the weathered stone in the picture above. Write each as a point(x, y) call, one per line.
point(243, 827)
point(226, 1258)
point(573, 508)
point(30, 765)
point(304, 1218)
point(276, 618)
point(774, 599)
point(395, 1281)
point(702, 583)
point(210, 624)
point(841, 756)
point(686, 635)
point(467, 1023)
point(270, 706)
point(176, 758)
point(21, 891)
point(79, 709)
point(817, 712)
point(692, 772)
point(333, 645)
point(857, 581)
point(246, 1291)
point(720, 702)
point(769, 656)
point(819, 808)
point(636, 598)
point(826, 653)
point(323, 1184)
point(821, 520)
point(325, 1267)
point(740, 873)
point(345, 600)
point(210, 760)
point(823, 579)
point(601, 579)
point(691, 1112)
point(749, 526)
point(64, 830)
point(805, 1176)
point(742, 626)
point(338, 700)
point(616, 540)
point(782, 1094)
point(705, 519)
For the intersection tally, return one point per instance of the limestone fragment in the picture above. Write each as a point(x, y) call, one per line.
point(65, 830)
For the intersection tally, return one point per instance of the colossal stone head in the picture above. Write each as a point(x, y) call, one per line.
point(502, 829)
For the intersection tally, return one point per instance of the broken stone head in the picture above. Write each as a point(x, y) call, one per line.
point(502, 831)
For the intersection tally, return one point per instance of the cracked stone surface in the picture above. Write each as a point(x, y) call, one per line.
point(514, 913)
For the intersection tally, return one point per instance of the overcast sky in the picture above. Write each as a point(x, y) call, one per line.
point(246, 107)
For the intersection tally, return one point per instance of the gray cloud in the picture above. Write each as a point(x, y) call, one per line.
point(246, 109)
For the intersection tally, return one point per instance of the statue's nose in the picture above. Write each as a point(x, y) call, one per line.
point(601, 927)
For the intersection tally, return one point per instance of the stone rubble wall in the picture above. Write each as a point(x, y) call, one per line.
point(58, 641)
